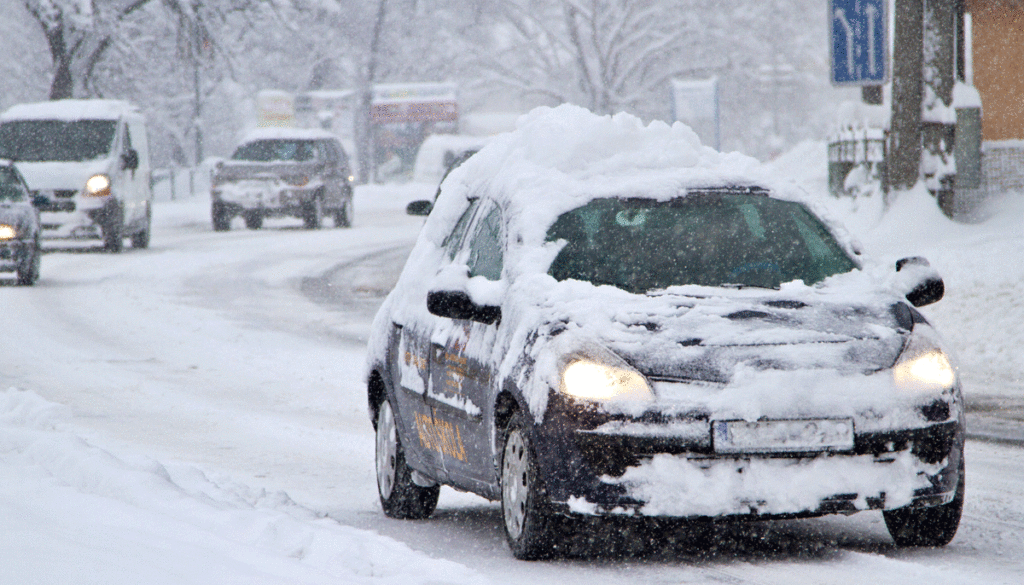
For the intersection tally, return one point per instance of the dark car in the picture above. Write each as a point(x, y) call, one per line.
point(19, 227)
point(615, 321)
point(283, 172)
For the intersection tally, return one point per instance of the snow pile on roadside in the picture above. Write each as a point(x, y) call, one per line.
point(70, 511)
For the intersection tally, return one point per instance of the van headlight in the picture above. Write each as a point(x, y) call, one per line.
point(7, 232)
point(592, 380)
point(923, 367)
point(98, 186)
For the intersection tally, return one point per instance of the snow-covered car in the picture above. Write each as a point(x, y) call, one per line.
point(603, 318)
point(281, 172)
point(86, 162)
point(19, 227)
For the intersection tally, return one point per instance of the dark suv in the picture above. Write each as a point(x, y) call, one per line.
point(278, 172)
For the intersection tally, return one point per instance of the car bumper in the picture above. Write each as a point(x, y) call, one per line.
point(82, 218)
point(14, 254)
point(624, 468)
point(268, 199)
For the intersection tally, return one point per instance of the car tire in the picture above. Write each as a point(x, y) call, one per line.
point(113, 231)
point(140, 239)
point(28, 273)
point(313, 214)
point(253, 220)
point(528, 522)
point(343, 216)
point(220, 217)
point(934, 526)
point(400, 496)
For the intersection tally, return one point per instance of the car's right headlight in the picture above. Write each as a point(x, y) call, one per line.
point(7, 232)
point(98, 186)
point(592, 380)
point(923, 367)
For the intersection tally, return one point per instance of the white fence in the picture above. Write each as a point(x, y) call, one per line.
point(180, 183)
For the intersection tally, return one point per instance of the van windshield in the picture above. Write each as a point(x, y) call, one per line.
point(56, 140)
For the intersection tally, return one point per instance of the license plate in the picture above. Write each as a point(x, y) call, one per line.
point(782, 436)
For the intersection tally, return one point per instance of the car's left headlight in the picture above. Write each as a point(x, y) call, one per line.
point(592, 380)
point(923, 366)
point(7, 232)
point(98, 186)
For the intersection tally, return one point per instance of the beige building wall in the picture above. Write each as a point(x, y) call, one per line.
point(998, 57)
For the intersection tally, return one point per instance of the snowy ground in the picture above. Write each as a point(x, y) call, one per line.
point(194, 413)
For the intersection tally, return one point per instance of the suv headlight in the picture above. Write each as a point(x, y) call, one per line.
point(98, 186)
point(923, 367)
point(7, 232)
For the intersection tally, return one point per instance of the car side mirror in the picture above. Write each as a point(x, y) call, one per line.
point(457, 305)
point(924, 284)
point(421, 207)
point(130, 160)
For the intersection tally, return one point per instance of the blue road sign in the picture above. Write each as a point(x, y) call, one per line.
point(860, 52)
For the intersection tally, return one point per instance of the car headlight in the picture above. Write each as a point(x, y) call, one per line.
point(7, 232)
point(98, 186)
point(592, 380)
point(923, 366)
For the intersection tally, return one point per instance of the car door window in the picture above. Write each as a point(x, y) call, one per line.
point(454, 240)
point(485, 248)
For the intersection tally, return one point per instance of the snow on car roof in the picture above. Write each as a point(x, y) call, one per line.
point(73, 109)
point(283, 133)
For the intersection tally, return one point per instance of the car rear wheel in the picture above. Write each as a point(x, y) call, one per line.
point(400, 496)
point(253, 220)
point(934, 526)
point(528, 522)
point(221, 219)
point(28, 272)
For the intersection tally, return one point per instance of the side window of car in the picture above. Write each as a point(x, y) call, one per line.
point(327, 154)
point(486, 255)
point(452, 242)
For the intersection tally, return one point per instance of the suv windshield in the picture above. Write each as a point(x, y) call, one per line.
point(706, 238)
point(10, 185)
point(275, 150)
point(56, 140)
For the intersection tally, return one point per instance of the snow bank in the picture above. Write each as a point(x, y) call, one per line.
point(74, 513)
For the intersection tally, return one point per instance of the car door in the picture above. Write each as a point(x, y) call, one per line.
point(460, 387)
point(425, 439)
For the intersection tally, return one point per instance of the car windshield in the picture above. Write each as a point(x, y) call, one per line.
point(708, 238)
point(56, 140)
point(10, 186)
point(275, 150)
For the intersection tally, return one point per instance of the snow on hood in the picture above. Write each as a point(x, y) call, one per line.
point(558, 159)
point(61, 175)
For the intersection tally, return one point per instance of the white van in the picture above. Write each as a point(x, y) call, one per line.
point(87, 165)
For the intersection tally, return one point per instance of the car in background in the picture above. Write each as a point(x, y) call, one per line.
point(284, 172)
point(605, 319)
point(86, 162)
point(19, 227)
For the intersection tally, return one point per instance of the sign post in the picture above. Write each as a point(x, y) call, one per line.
point(860, 51)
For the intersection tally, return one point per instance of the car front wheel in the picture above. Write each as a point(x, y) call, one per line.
point(253, 220)
point(221, 218)
point(400, 496)
point(934, 526)
point(28, 272)
point(313, 214)
point(528, 523)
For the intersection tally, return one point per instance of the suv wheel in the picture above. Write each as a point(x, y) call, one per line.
point(113, 230)
point(221, 219)
point(343, 215)
point(313, 213)
point(253, 220)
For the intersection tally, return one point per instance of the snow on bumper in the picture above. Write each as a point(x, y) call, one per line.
point(264, 194)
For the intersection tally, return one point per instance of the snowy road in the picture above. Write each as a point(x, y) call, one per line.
point(240, 355)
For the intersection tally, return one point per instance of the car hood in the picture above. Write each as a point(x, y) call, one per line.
point(61, 175)
point(711, 334)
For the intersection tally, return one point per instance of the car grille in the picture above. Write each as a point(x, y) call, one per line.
point(57, 200)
